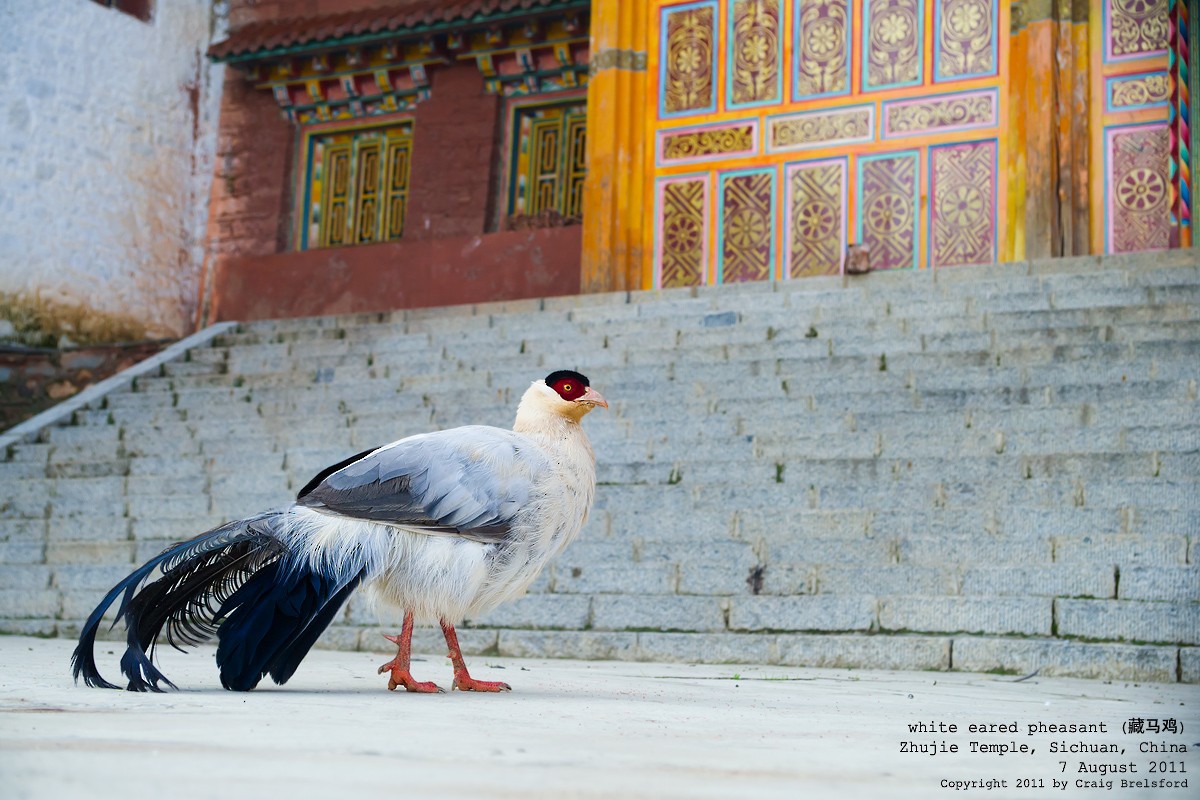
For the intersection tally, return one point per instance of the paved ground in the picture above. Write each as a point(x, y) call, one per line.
point(571, 730)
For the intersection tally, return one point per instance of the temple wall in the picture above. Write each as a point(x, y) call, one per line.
point(106, 159)
point(457, 245)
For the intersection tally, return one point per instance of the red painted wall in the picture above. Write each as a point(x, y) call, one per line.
point(409, 274)
point(455, 155)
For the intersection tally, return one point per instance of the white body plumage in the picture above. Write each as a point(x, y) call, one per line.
point(439, 577)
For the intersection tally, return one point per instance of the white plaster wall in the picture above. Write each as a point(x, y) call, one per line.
point(107, 136)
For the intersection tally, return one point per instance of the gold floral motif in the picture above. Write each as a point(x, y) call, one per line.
point(713, 141)
point(822, 59)
point(973, 110)
point(1140, 90)
point(689, 60)
point(966, 38)
point(1138, 26)
point(755, 50)
point(963, 219)
point(888, 186)
point(1138, 157)
point(815, 240)
point(893, 43)
point(747, 229)
point(806, 130)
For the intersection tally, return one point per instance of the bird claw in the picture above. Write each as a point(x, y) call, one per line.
point(402, 677)
point(465, 683)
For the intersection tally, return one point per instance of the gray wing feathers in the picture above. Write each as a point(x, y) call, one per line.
point(469, 482)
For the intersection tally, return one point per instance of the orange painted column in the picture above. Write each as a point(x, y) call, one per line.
point(614, 196)
point(1049, 91)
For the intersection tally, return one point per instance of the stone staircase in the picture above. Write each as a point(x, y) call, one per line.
point(987, 469)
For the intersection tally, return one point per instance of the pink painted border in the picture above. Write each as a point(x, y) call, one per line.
point(843, 164)
point(706, 179)
point(992, 94)
point(660, 145)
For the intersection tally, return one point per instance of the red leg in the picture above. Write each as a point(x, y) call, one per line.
point(399, 665)
point(462, 680)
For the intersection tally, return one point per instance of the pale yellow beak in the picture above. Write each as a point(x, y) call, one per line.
point(592, 398)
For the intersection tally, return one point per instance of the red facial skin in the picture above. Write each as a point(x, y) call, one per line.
point(569, 389)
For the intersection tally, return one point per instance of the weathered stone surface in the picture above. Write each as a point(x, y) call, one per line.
point(1059, 658)
point(865, 652)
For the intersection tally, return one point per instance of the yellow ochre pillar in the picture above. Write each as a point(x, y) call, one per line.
point(614, 201)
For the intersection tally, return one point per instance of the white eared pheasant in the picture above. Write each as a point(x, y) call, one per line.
point(438, 527)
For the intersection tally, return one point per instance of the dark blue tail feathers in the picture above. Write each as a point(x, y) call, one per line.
point(230, 583)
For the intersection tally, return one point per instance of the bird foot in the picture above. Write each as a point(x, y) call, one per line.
point(402, 677)
point(465, 683)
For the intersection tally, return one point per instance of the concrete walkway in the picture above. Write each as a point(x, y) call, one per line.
point(570, 730)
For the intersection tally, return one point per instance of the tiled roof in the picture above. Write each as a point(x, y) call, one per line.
point(297, 32)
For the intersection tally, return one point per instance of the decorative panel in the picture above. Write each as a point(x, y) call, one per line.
point(547, 163)
point(964, 44)
point(355, 184)
point(941, 114)
point(962, 208)
point(752, 76)
point(398, 156)
point(815, 217)
point(887, 202)
point(334, 178)
point(837, 144)
point(575, 168)
point(1135, 29)
point(1135, 92)
point(707, 142)
point(367, 192)
point(892, 43)
point(747, 230)
point(681, 231)
point(1136, 184)
point(823, 45)
point(809, 129)
point(688, 72)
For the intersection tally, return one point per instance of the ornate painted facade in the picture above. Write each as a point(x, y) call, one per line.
point(934, 132)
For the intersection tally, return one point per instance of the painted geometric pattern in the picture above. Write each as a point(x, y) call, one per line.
point(688, 60)
point(966, 39)
point(963, 204)
point(887, 190)
point(894, 37)
point(951, 113)
point(822, 64)
point(747, 226)
point(357, 186)
point(754, 66)
point(816, 218)
point(548, 161)
point(1135, 28)
point(813, 128)
point(681, 146)
point(1137, 189)
point(683, 231)
point(1129, 92)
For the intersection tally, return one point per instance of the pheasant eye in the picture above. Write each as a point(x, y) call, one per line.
point(569, 390)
